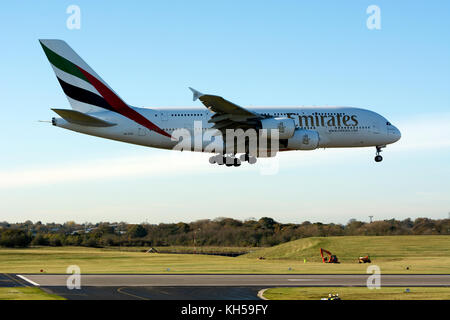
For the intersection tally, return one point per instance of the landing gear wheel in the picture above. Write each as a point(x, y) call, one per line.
point(237, 162)
point(248, 158)
point(379, 158)
point(244, 157)
point(212, 160)
point(220, 160)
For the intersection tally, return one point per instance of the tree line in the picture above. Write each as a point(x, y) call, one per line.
point(218, 232)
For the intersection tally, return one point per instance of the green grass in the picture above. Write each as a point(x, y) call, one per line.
point(348, 249)
point(420, 254)
point(189, 249)
point(394, 254)
point(27, 293)
point(358, 293)
point(91, 260)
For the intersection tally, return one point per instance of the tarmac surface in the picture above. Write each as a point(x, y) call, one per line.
point(240, 280)
point(9, 280)
point(204, 286)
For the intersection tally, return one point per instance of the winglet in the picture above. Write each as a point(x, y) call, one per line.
point(197, 94)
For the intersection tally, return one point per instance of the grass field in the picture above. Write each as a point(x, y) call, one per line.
point(359, 293)
point(91, 260)
point(394, 254)
point(190, 249)
point(27, 293)
point(397, 254)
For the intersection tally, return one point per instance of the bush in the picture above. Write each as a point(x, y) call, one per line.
point(40, 240)
point(15, 238)
point(137, 231)
point(56, 240)
point(90, 242)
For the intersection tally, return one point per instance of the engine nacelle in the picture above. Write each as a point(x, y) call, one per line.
point(285, 126)
point(304, 140)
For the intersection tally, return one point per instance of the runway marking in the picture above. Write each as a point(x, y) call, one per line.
point(261, 294)
point(28, 280)
point(305, 279)
point(120, 290)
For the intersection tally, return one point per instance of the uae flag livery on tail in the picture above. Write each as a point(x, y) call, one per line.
point(85, 90)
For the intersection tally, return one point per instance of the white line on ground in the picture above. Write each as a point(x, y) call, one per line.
point(261, 294)
point(303, 279)
point(28, 280)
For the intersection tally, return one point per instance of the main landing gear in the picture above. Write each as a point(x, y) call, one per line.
point(379, 158)
point(246, 157)
point(231, 160)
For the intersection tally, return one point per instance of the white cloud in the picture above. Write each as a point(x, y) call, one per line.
point(95, 170)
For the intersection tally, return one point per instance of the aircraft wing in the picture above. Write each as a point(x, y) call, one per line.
point(228, 115)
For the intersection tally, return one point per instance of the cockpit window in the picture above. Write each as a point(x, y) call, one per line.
point(388, 123)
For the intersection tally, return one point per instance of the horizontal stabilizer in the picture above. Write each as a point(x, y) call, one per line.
point(82, 119)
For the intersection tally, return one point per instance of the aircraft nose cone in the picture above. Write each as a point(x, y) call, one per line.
point(394, 133)
point(398, 134)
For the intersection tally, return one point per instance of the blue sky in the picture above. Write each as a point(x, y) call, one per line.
point(274, 53)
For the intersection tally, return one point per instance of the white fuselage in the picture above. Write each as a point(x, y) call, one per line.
point(337, 127)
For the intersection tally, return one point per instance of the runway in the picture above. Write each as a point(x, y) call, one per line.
point(204, 286)
point(235, 280)
point(9, 280)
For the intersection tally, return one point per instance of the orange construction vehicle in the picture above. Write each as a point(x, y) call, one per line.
point(365, 259)
point(331, 257)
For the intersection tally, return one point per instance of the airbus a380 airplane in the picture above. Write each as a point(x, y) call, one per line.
point(97, 110)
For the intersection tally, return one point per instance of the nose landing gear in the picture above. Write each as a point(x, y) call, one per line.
point(379, 158)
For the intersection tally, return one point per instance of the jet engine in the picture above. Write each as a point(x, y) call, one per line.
point(304, 140)
point(285, 126)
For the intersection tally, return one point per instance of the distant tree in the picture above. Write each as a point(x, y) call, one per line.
point(40, 240)
point(104, 228)
point(183, 227)
point(137, 231)
point(218, 232)
point(90, 242)
point(15, 238)
point(424, 226)
point(267, 223)
point(28, 223)
point(56, 240)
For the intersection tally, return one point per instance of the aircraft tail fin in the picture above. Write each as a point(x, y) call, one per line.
point(84, 88)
